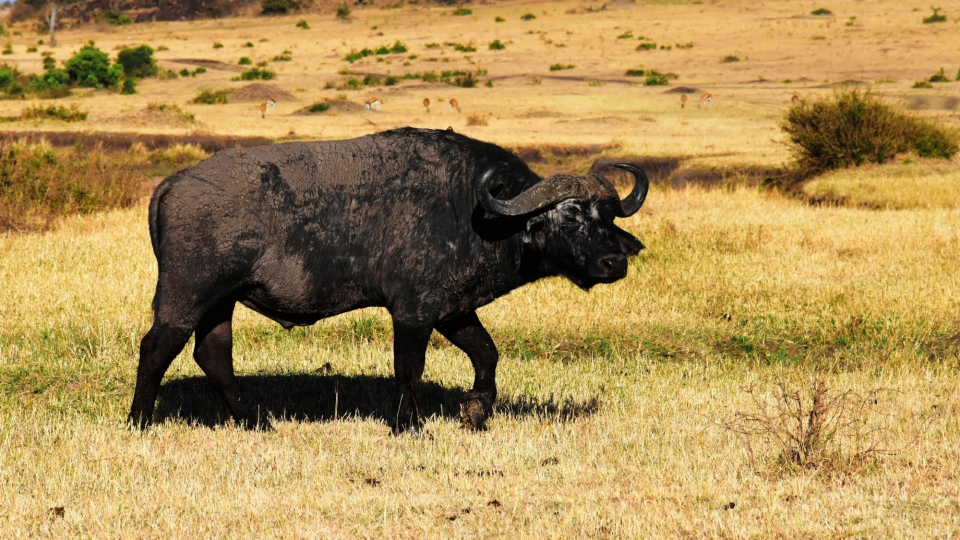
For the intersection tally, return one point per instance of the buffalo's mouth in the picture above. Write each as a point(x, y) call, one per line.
point(608, 268)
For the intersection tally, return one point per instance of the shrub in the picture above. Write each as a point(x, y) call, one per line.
point(275, 7)
point(371, 80)
point(821, 11)
point(245, 61)
point(729, 59)
point(464, 80)
point(940, 76)
point(31, 49)
point(254, 74)
point(343, 11)
point(90, 67)
point(129, 86)
point(499, 19)
point(285, 56)
point(8, 49)
point(430, 77)
point(922, 84)
point(138, 62)
point(853, 128)
point(461, 11)
point(646, 46)
point(115, 17)
point(636, 73)
point(217, 45)
point(460, 47)
point(198, 71)
point(495, 45)
point(216, 97)
point(391, 80)
point(167, 74)
point(40, 183)
point(656, 79)
point(53, 83)
point(559, 67)
point(319, 107)
point(398, 47)
point(248, 45)
point(54, 112)
point(528, 17)
point(935, 18)
point(626, 35)
point(184, 72)
point(687, 45)
point(302, 23)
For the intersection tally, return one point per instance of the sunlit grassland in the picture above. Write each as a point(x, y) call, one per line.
point(928, 184)
point(609, 401)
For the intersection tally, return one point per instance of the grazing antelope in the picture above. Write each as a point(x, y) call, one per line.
point(795, 99)
point(269, 103)
point(454, 105)
point(371, 104)
point(449, 128)
point(683, 100)
point(426, 104)
point(706, 99)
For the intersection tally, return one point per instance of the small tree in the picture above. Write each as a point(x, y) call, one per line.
point(275, 7)
point(138, 62)
point(90, 67)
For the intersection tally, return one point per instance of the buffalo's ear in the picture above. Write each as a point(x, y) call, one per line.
point(535, 232)
point(629, 245)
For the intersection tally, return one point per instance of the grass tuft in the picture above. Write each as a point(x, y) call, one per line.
point(212, 97)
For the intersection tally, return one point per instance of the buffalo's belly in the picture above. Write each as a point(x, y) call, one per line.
point(290, 311)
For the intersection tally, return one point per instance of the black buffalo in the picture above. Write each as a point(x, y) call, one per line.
point(429, 224)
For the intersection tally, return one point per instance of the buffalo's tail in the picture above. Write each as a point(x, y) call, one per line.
point(155, 202)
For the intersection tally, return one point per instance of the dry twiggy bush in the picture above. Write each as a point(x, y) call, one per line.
point(814, 426)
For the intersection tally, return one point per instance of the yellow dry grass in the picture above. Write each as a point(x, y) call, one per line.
point(908, 184)
point(610, 407)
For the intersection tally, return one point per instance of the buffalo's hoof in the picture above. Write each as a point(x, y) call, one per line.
point(414, 430)
point(475, 410)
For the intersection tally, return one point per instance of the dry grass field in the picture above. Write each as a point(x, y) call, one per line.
point(648, 408)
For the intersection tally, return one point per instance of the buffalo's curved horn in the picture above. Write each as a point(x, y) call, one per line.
point(547, 192)
point(630, 204)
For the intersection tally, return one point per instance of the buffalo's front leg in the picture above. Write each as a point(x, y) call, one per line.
point(409, 349)
point(471, 337)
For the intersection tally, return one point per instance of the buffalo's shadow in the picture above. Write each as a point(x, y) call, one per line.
point(321, 398)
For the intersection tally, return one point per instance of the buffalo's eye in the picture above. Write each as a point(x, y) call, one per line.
point(571, 224)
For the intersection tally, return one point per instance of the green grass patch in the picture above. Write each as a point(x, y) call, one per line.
point(212, 97)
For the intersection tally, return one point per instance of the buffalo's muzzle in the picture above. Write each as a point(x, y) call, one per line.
point(609, 268)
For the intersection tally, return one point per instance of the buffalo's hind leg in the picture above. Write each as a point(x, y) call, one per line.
point(213, 352)
point(157, 350)
point(469, 335)
point(409, 353)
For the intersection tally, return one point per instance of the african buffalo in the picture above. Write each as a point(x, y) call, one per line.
point(429, 224)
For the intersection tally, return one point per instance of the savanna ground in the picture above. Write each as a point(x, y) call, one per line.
point(622, 412)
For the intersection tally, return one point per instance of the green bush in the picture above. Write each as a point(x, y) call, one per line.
point(559, 67)
point(626, 35)
point(302, 23)
point(138, 62)
point(216, 97)
point(129, 86)
point(54, 112)
point(285, 56)
point(53, 83)
point(528, 17)
point(938, 77)
point(90, 67)
point(852, 128)
point(254, 74)
point(184, 72)
point(821, 11)
point(495, 45)
point(275, 7)
point(343, 11)
point(115, 17)
point(729, 59)
point(217, 45)
point(646, 46)
point(499, 19)
point(935, 18)
point(656, 79)
point(636, 73)
point(461, 11)
point(245, 61)
point(319, 107)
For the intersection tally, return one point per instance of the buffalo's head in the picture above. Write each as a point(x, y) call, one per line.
point(570, 221)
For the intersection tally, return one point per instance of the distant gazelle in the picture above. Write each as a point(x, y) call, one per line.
point(454, 104)
point(268, 104)
point(426, 104)
point(706, 99)
point(683, 100)
point(371, 104)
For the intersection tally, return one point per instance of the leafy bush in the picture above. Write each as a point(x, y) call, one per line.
point(460, 47)
point(115, 17)
point(499, 19)
point(853, 128)
point(729, 59)
point(285, 56)
point(922, 84)
point(559, 67)
point(940, 76)
point(821, 11)
point(245, 61)
point(626, 35)
point(687, 45)
point(636, 73)
point(8, 49)
point(254, 74)
point(90, 67)
point(54, 112)
point(216, 97)
point(217, 45)
point(656, 79)
point(398, 47)
point(302, 23)
point(53, 83)
point(649, 46)
point(935, 18)
point(275, 7)
point(461, 11)
point(343, 11)
point(138, 62)
point(495, 45)
point(319, 107)
point(528, 17)
point(129, 86)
